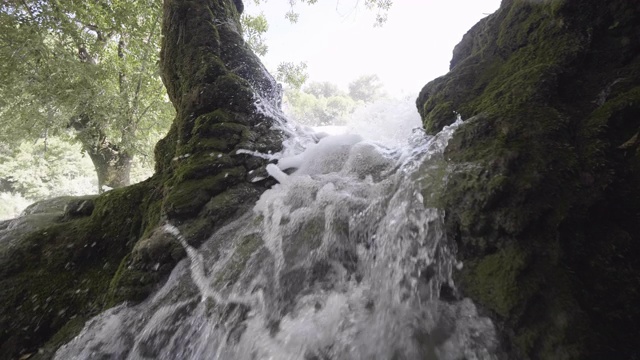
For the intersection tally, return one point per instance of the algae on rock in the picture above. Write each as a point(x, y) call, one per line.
point(543, 205)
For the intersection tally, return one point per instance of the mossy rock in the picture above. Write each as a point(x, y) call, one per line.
point(64, 270)
point(202, 165)
point(242, 252)
point(187, 198)
point(493, 279)
point(544, 172)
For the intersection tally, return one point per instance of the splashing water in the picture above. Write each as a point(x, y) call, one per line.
point(345, 258)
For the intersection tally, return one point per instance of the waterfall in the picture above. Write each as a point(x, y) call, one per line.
point(345, 258)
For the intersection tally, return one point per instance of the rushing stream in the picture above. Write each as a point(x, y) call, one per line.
point(345, 258)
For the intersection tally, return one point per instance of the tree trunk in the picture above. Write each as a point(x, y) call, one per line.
point(112, 164)
point(214, 81)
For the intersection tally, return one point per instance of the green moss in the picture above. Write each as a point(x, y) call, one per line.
point(57, 285)
point(233, 92)
point(130, 284)
point(113, 298)
point(207, 69)
point(241, 254)
point(218, 123)
point(187, 198)
point(199, 229)
point(494, 279)
point(235, 200)
point(443, 112)
point(66, 269)
point(492, 85)
point(219, 209)
point(222, 144)
point(611, 115)
point(215, 117)
point(165, 150)
point(153, 215)
point(201, 165)
point(432, 182)
point(550, 91)
point(63, 336)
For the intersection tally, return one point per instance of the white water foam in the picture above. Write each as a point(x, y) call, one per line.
point(342, 259)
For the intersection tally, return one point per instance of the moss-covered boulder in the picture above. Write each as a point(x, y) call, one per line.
point(56, 263)
point(544, 200)
point(62, 268)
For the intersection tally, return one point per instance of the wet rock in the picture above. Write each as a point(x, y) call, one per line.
point(543, 201)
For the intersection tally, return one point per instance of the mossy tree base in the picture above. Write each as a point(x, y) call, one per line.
point(58, 271)
point(78, 265)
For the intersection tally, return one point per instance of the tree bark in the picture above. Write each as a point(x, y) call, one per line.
point(112, 164)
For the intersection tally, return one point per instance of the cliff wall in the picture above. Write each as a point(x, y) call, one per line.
point(544, 201)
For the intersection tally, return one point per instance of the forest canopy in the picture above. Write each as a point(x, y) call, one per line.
point(84, 72)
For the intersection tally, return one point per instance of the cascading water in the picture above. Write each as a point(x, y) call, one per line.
point(345, 258)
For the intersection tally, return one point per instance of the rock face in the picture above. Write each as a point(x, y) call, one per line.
point(544, 202)
point(58, 272)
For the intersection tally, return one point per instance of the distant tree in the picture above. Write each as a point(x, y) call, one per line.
point(338, 107)
point(38, 170)
point(254, 28)
point(322, 89)
point(87, 66)
point(319, 104)
point(367, 88)
point(292, 74)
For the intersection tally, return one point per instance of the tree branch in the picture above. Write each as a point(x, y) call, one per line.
point(136, 96)
point(33, 18)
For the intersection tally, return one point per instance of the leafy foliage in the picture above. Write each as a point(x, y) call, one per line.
point(11, 205)
point(324, 103)
point(46, 169)
point(323, 89)
point(62, 60)
point(254, 27)
point(292, 74)
point(367, 88)
point(381, 6)
point(314, 110)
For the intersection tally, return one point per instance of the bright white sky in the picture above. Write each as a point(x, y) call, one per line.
point(339, 43)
